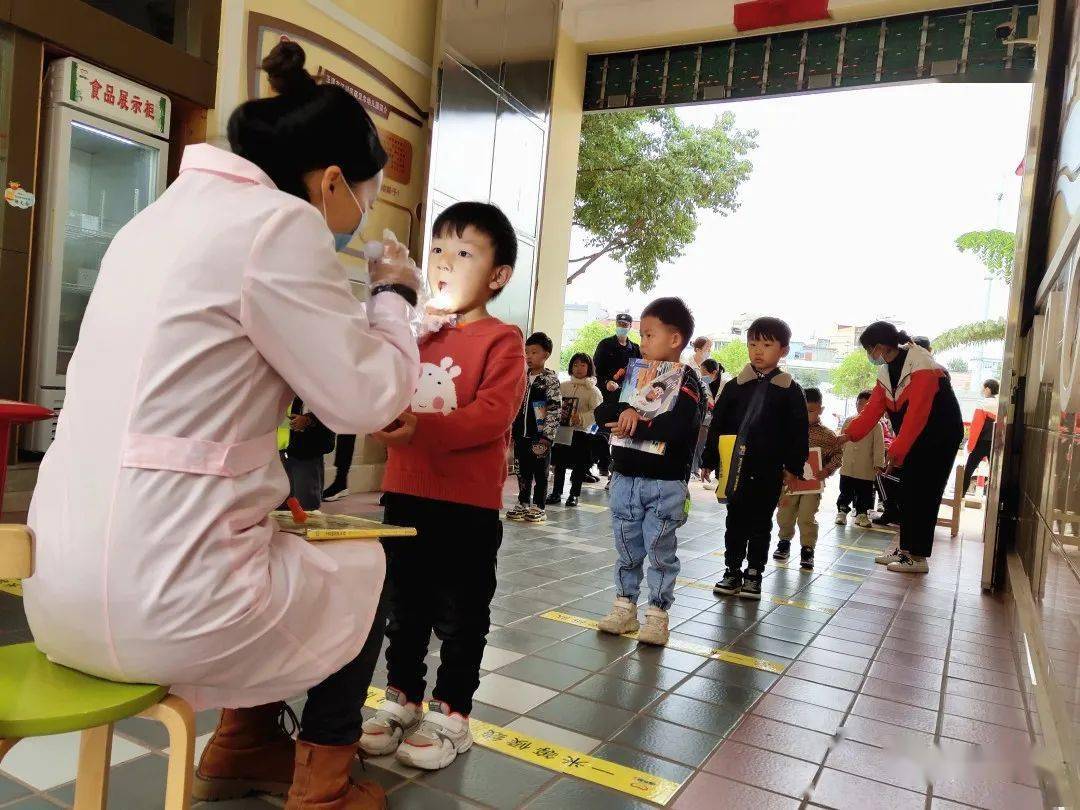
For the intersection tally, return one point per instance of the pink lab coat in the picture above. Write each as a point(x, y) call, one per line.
point(156, 561)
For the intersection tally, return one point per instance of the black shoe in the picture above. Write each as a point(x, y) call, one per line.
point(783, 550)
point(571, 501)
point(751, 587)
point(553, 499)
point(590, 479)
point(807, 561)
point(730, 585)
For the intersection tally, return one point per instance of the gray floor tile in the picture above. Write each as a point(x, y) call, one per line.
point(507, 638)
point(139, 783)
point(574, 793)
point(737, 675)
point(638, 671)
point(547, 673)
point(649, 763)
point(578, 656)
point(249, 803)
point(681, 744)
point(491, 714)
point(489, 778)
point(769, 647)
point(617, 692)
point(548, 628)
point(616, 645)
point(31, 803)
point(584, 716)
point(712, 691)
point(414, 796)
point(153, 733)
point(707, 717)
point(10, 790)
point(667, 657)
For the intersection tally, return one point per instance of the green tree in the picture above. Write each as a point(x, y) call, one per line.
point(854, 374)
point(807, 377)
point(958, 365)
point(733, 356)
point(994, 248)
point(587, 339)
point(970, 334)
point(643, 175)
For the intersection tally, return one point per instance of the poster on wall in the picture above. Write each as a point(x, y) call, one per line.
point(400, 120)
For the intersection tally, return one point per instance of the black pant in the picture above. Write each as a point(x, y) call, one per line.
point(443, 580)
point(975, 458)
point(601, 450)
point(343, 453)
point(305, 480)
point(892, 496)
point(578, 458)
point(532, 472)
point(858, 490)
point(750, 520)
point(332, 712)
point(926, 472)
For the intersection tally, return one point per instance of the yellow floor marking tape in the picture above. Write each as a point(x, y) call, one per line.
point(564, 760)
point(849, 577)
point(862, 550)
point(776, 600)
point(703, 650)
point(12, 586)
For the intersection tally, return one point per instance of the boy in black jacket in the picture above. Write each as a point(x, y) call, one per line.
point(309, 441)
point(766, 410)
point(649, 499)
point(534, 431)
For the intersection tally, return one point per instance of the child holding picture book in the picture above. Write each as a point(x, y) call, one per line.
point(580, 396)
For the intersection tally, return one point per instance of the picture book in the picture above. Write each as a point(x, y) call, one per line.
point(651, 388)
point(810, 485)
point(567, 411)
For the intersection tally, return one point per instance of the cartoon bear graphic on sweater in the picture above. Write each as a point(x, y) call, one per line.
point(435, 392)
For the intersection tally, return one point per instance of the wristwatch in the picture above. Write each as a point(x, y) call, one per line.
point(408, 293)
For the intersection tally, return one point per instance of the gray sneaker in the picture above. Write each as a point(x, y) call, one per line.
point(395, 720)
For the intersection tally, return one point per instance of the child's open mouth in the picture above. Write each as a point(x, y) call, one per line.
point(442, 286)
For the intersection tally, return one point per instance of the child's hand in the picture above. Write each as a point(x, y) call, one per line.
point(397, 436)
point(626, 424)
point(842, 439)
point(790, 479)
point(575, 420)
point(821, 475)
point(612, 386)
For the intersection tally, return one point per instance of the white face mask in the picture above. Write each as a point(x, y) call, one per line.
point(341, 240)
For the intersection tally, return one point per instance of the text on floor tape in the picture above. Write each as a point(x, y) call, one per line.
point(561, 759)
point(703, 650)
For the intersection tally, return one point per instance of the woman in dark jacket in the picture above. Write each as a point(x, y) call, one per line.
point(917, 395)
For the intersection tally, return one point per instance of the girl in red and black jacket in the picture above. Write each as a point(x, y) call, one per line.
point(917, 395)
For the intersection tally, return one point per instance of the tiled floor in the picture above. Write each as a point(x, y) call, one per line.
point(889, 683)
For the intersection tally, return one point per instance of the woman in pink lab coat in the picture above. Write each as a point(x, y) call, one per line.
point(156, 561)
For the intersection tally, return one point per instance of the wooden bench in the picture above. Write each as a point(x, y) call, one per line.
point(955, 503)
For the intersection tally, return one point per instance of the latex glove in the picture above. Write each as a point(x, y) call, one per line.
point(389, 263)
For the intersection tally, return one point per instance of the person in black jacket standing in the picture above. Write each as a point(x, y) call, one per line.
point(612, 355)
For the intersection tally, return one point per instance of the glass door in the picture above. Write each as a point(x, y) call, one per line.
point(111, 178)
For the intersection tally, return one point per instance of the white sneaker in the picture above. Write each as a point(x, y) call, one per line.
point(395, 719)
point(440, 738)
point(909, 564)
point(655, 629)
point(888, 558)
point(622, 618)
point(841, 519)
point(863, 521)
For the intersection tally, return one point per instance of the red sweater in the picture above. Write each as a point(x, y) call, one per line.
point(472, 381)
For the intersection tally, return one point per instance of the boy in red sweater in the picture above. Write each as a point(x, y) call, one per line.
point(444, 475)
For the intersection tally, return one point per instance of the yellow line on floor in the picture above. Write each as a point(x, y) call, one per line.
point(703, 650)
point(12, 586)
point(861, 550)
point(849, 577)
point(563, 760)
point(776, 600)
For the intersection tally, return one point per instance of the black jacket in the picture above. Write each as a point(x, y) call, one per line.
point(313, 442)
point(678, 427)
point(611, 358)
point(779, 438)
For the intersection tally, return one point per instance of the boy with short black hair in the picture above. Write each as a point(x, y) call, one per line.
point(534, 431)
point(649, 499)
point(863, 460)
point(801, 508)
point(764, 408)
point(444, 475)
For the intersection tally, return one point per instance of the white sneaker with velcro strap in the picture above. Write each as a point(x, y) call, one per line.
point(395, 719)
point(442, 735)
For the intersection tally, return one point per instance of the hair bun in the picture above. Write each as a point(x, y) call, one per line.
point(284, 67)
point(903, 337)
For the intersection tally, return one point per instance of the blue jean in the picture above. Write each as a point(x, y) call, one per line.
point(645, 513)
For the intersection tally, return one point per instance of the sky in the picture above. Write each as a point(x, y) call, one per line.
point(850, 212)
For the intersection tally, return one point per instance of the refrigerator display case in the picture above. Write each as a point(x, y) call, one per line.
point(104, 160)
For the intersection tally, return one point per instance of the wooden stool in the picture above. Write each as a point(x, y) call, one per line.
point(956, 503)
point(38, 697)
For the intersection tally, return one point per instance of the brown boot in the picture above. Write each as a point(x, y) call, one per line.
point(250, 752)
point(321, 781)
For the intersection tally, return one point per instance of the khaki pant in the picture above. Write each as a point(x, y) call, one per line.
point(800, 509)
